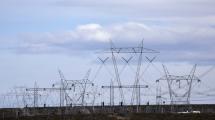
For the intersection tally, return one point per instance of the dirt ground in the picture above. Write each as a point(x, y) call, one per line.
point(139, 116)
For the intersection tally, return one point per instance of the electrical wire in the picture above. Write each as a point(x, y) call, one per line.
point(188, 41)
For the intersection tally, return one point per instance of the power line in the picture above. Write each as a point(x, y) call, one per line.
point(189, 41)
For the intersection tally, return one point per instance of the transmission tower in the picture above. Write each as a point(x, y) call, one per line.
point(158, 97)
point(62, 87)
point(134, 50)
point(111, 87)
point(180, 96)
point(82, 83)
point(35, 98)
point(36, 89)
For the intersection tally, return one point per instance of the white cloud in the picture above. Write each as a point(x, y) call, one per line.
point(121, 32)
point(183, 43)
point(92, 32)
point(89, 27)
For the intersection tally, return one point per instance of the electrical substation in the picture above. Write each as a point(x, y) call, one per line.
point(166, 94)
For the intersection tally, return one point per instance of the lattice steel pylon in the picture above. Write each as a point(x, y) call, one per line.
point(62, 89)
point(181, 95)
point(65, 83)
point(83, 83)
point(135, 50)
point(123, 86)
point(111, 96)
point(158, 98)
point(36, 89)
point(35, 98)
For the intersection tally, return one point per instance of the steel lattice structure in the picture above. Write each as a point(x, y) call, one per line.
point(111, 87)
point(127, 50)
point(83, 83)
point(179, 88)
point(135, 50)
point(36, 89)
point(177, 98)
point(127, 86)
point(65, 83)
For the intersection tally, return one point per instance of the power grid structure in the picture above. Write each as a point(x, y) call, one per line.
point(36, 89)
point(81, 84)
point(111, 87)
point(158, 98)
point(133, 50)
point(176, 97)
point(77, 96)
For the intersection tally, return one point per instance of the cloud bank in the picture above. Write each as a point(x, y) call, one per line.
point(179, 44)
point(178, 29)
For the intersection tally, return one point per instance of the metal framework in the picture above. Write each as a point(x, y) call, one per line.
point(65, 83)
point(111, 87)
point(35, 98)
point(127, 50)
point(135, 50)
point(158, 97)
point(83, 84)
point(36, 89)
point(176, 97)
point(126, 86)
point(62, 88)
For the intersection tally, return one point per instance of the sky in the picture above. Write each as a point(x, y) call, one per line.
point(39, 37)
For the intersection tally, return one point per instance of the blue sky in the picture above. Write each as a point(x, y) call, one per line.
point(39, 37)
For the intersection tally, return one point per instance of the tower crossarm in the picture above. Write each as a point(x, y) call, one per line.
point(127, 86)
point(176, 78)
point(45, 89)
point(127, 50)
point(79, 81)
point(74, 82)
